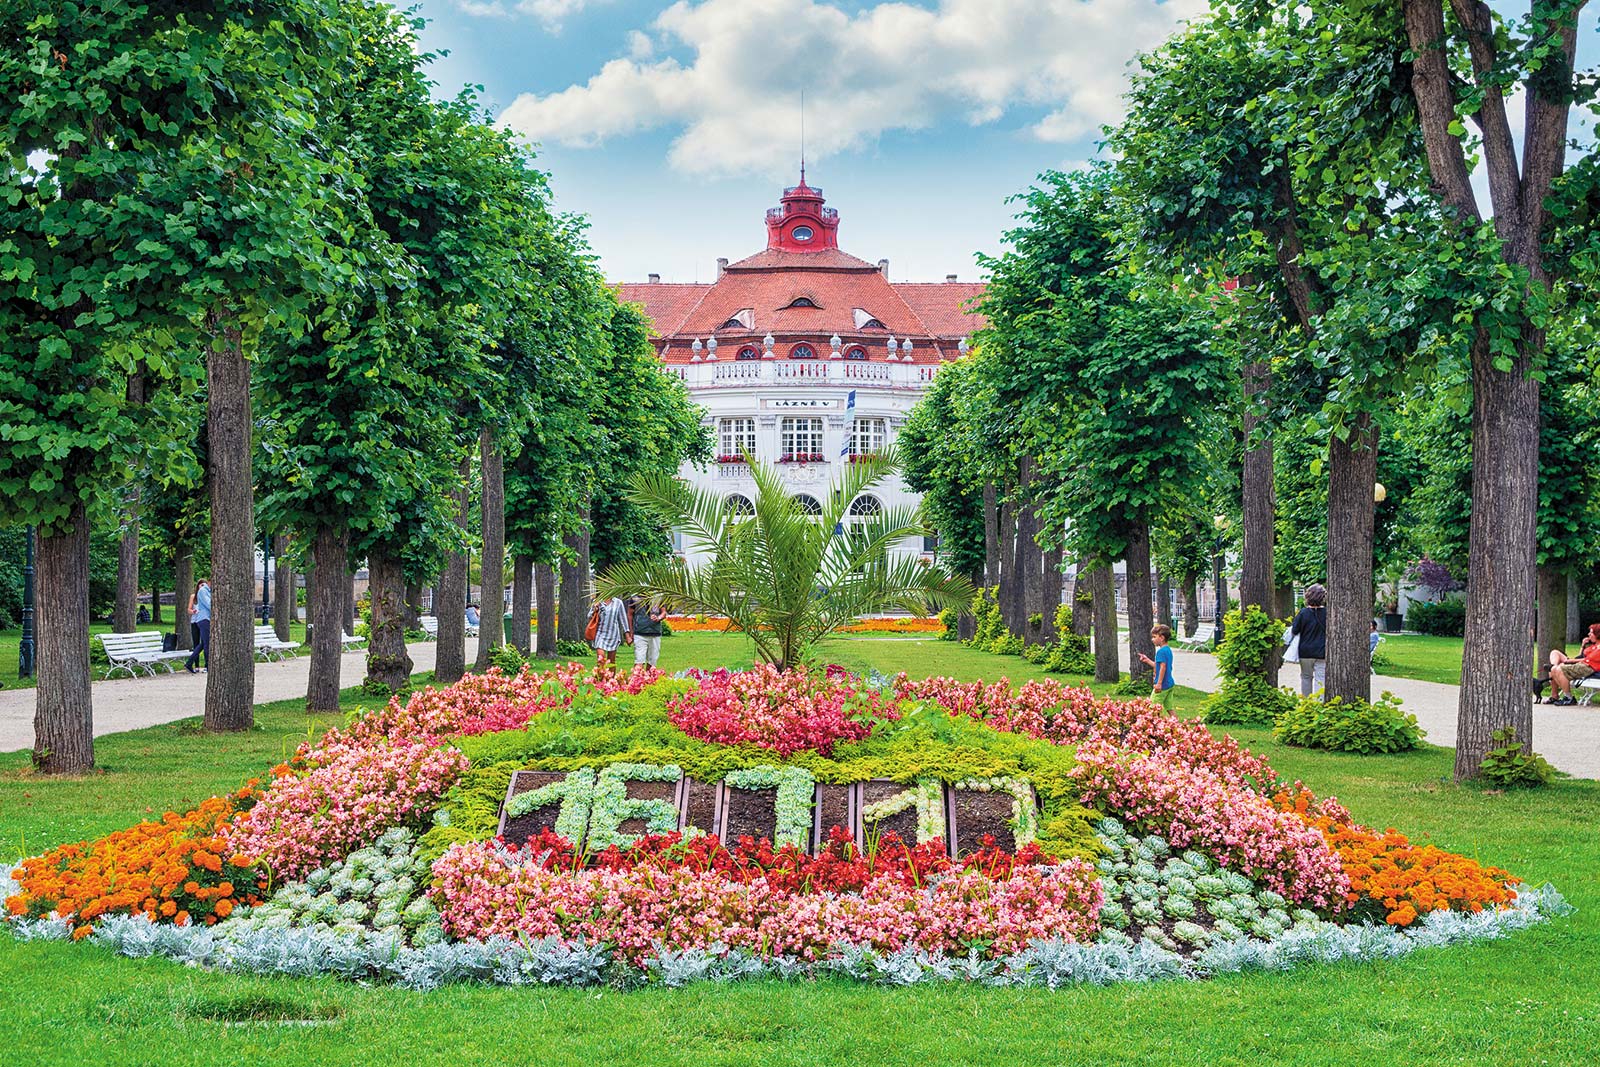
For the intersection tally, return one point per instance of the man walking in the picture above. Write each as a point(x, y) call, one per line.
point(647, 628)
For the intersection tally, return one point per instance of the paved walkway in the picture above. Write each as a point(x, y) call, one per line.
point(1568, 737)
point(133, 703)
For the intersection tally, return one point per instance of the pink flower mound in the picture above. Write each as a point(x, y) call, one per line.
point(1194, 807)
point(786, 711)
point(1069, 716)
point(484, 889)
point(340, 797)
point(485, 703)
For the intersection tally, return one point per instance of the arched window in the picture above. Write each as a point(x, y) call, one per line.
point(855, 352)
point(749, 352)
point(873, 324)
point(733, 324)
point(865, 507)
point(739, 506)
point(808, 504)
point(802, 302)
point(802, 352)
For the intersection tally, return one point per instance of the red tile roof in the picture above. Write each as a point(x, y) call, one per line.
point(827, 258)
point(945, 306)
point(667, 303)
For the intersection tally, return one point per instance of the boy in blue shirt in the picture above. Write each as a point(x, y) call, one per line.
point(1163, 684)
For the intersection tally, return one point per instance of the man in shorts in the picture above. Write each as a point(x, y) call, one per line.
point(1565, 669)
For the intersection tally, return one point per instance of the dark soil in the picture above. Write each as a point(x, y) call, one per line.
point(701, 805)
point(835, 806)
point(750, 813)
point(903, 823)
point(667, 791)
point(974, 814)
point(517, 831)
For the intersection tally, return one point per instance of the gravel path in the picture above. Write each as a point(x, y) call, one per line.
point(1568, 737)
point(133, 703)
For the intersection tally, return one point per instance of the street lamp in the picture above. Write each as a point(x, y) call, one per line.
point(25, 646)
point(1220, 524)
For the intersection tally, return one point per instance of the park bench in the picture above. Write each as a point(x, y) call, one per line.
point(269, 647)
point(351, 643)
point(430, 626)
point(138, 653)
point(1587, 689)
point(1202, 638)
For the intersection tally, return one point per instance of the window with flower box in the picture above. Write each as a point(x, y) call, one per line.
point(736, 436)
point(801, 438)
point(868, 437)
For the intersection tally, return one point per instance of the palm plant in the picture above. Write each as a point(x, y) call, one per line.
point(785, 576)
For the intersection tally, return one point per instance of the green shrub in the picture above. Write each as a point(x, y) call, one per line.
point(1360, 727)
point(1381, 661)
point(986, 610)
point(1447, 618)
point(666, 628)
point(951, 619)
point(1245, 660)
point(1036, 653)
point(1140, 686)
point(416, 635)
point(508, 658)
point(573, 650)
point(1007, 645)
point(374, 688)
point(1510, 766)
point(1070, 654)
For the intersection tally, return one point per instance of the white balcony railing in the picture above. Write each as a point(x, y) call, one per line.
point(729, 374)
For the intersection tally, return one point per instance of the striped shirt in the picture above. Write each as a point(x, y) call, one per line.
point(613, 617)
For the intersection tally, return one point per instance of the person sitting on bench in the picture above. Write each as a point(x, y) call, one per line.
point(1565, 669)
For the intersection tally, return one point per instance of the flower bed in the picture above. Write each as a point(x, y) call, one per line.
point(1145, 846)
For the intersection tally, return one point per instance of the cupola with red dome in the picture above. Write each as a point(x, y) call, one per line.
point(800, 222)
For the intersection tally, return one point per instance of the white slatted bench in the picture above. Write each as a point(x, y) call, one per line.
point(351, 643)
point(269, 647)
point(1587, 689)
point(430, 626)
point(138, 653)
point(1203, 637)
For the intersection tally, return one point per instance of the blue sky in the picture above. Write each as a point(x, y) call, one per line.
point(674, 126)
point(922, 118)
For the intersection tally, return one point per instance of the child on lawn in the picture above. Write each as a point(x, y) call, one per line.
point(1162, 664)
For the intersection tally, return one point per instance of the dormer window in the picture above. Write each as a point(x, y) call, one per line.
point(873, 324)
point(743, 319)
point(855, 352)
point(865, 320)
point(801, 302)
point(732, 324)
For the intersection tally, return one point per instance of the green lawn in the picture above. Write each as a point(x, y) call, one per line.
point(1426, 659)
point(1523, 1000)
point(12, 638)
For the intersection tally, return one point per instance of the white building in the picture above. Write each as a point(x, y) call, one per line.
point(803, 355)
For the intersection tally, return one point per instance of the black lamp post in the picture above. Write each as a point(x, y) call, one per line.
point(25, 646)
point(1219, 595)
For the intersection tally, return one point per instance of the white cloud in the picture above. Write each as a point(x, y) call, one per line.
point(890, 66)
point(549, 12)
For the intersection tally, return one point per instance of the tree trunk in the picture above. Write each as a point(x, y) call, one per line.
point(230, 659)
point(1082, 609)
point(1009, 596)
point(450, 604)
point(575, 582)
point(991, 535)
point(330, 555)
point(1260, 502)
point(63, 718)
point(387, 659)
point(1140, 618)
point(183, 582)
point(125, 613)
point(283, 609)
point(155, 603)
point(413, 605)
point(1283, 601)
point(1352, 472)
point(492, 623)
point(1029, 558)
point(1163, 600)
point(521, 602)
point(544, 584)
point(1574, 616)
point(1191, 606)
point(1052, 593)
point(1551, 617)
point(1103, 588)
point(349, 584)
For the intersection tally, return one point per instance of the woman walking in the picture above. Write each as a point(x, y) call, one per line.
point(1311, 626)
point(614, 628)
point(199, 625)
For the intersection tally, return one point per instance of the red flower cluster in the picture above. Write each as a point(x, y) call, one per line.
point(786, 711)
point(840, 867)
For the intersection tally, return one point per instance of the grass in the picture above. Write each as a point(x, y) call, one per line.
point(1426, 659)
point(1521, 1000)
point(11, 639)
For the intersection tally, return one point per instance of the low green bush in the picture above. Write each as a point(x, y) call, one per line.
point(1510, 766)
point(1245, 660)
point(1447, 618)
point(1007, 645)
point(508, 658)
point(1131, 686)
point(1358, 726)
point(573, 650)
point(951, 619)
point(1070, 654)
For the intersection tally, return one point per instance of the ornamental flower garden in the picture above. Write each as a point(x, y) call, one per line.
point(586, 827)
